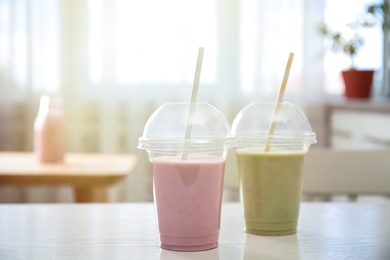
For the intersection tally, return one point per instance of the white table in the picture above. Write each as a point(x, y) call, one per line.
point(128, 231)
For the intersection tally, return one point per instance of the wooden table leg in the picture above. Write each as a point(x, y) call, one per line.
point(352, 197)
point(88, 194)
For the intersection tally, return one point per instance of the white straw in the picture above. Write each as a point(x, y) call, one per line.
point(194, 95)
point(279, 101)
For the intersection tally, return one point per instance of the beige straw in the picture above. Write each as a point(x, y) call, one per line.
point(194, 95)
point(279, 101)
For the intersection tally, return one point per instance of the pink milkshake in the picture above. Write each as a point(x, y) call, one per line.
point(188, 198)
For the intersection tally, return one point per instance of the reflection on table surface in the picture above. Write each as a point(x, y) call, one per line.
point(101, 231)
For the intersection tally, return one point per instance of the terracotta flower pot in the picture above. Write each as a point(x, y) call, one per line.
point(358, 83)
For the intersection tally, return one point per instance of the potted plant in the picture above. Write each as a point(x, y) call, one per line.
point(358, 83)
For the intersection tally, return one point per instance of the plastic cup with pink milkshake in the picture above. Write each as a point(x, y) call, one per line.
point(187, 173)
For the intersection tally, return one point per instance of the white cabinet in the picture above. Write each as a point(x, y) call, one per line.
point(359, 125)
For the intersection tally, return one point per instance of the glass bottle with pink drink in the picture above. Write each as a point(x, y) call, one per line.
point(49, 131)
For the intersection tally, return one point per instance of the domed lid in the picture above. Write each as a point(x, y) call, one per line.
point(251, 125)
point(205, 126)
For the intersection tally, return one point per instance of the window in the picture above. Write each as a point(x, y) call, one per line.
point(337, 14)
point(148, 49)
point(138, 44)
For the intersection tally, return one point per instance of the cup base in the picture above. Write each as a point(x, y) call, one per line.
point(259, 232)
point(189, 248)
point(271, 228)
point(189, 244)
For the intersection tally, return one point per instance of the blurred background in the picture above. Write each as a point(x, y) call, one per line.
point(116, 61)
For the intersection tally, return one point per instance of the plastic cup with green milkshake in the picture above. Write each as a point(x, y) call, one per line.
point(270, 165)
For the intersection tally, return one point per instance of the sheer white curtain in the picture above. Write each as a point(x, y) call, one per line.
point(116, 61)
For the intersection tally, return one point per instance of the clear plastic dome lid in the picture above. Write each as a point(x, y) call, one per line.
point(166, 128)
point(251, 125)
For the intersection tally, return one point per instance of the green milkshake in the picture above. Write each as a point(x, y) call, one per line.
point(270, 165)
point(270, 187)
